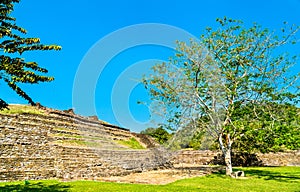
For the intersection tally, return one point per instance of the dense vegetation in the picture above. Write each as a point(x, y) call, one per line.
point(159, 134)
point(264, 135)
point(256, 136)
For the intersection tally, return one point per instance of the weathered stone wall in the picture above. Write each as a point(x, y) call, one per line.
point(207, 157)
point(280, 159)
point(62, 145)
point(193, 157)
point(78, 163)
point(67, 146)
point(147, 140)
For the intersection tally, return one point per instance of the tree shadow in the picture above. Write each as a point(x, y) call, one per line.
point(289, 177)
point(36, 187)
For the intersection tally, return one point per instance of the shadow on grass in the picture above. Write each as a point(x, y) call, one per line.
point(274, 175)
point(36, 187)
point(281, 176)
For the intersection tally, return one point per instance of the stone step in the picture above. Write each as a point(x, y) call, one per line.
point(37, 128)
point(49, 125)
point(13, 175)
point(51, 118)
point(74, 157)
point(26, 161)
point(76, 122)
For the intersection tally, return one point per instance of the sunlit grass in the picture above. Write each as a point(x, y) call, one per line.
point(77, 143)
point(21, 109)
point(132, 143)
point(282, 179)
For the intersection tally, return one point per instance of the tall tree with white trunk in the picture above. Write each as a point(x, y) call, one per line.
point(226, 70)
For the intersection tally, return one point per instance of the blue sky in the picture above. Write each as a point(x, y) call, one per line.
point(78, 25)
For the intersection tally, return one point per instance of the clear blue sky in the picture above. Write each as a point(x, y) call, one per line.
point(78, 25)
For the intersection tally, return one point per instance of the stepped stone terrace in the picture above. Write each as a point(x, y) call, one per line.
point(42, 143)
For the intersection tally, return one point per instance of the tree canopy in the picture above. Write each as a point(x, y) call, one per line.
point(207, 83)
point(14, 69)
point(265, 134)
point(262, 135)
point(159, 134)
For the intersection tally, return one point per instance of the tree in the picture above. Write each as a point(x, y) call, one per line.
point(207, 81)
point(159, 134)
point(266, 135)
point(263, 135)
point(13, 69)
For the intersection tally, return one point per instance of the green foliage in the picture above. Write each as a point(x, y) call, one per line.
point(196, 141)
point(159, 134)
point(263, 134)
point(257, 179)
point(132, 143)
point(260, 134)
point(209, 80)
point(13, 69)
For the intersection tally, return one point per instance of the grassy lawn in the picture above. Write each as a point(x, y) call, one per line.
point(280, 179)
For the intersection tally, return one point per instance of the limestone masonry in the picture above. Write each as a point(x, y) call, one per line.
point(62, 145)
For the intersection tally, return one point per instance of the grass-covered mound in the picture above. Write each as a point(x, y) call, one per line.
point(21, 109)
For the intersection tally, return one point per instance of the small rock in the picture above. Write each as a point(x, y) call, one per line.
point(238, 174)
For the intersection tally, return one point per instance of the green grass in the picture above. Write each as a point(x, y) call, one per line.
point(282, 179)
point(21, 109)
point(78, 143)
point(131, 143)
point(87, 141)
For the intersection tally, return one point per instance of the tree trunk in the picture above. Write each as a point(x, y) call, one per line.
point(226, 149)
point(227, 157)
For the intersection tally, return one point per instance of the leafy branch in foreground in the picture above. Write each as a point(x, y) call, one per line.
point(13, 69)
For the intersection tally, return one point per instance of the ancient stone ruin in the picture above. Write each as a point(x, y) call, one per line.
point(60, 144)
point(52, 144)
point(207, 157)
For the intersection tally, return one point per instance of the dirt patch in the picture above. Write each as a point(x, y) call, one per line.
point(161, 177)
